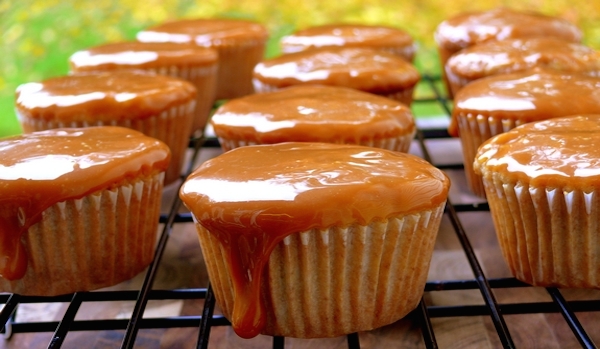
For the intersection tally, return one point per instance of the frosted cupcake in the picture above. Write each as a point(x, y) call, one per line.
point(496, 104)
point(314, 113)
point(240, 43)
point(79, 208)
point(515, 55)
point(363, 69)
point(303, 220)
point(542, 183)
point(159, 106)
point(379, 37)
point(195, 64)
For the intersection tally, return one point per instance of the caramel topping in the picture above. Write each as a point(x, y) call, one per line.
point(204, 32)
point(513, 55)
point(472, 28)
point(40, 169)
point(359, 68)
point(528, 96)
point(103, 96)
point(141, 55)
point(345, 35)
point(312, 113)
point(252, 197)
point(555, 153)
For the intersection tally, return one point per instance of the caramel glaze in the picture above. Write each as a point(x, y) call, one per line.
point(359, 68)
point(141, 55)
point(204, 32)
point(252, 197)
point(102, 96)
point(512, 55)
point(40, 169)
point(556, 153)
point(471, 28)
point(312, 113)
point(344, 34)
point(528, 96)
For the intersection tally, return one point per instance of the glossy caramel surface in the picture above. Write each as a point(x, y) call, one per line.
point(142, 55)
point(556, 153)
point(104, 96)
point(528, 96)
point(312, 113)
point(205, 32)
point(345, 35)
point(40, 169)
point(252, 197)
point(471, 28)
point(513, 55)
point(359, 68)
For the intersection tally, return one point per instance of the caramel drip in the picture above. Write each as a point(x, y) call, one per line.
point(102, 96)
point(40, 169)
point(528, 96)
point(471, 28)
point(312, 113)
point(251, 198)
point(141, 55)
point(359, 68)
point(556, 153)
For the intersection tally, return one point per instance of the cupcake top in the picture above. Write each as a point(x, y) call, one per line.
point(512, 55)
point(359, 68)
point(360, 35)
point(252, 197)
point(43, 168)
point(141, 55)
point(205, 32)
point(555, 153)
point(528, 96)
point(312, 113)
point(471, 28)
point(103, 96)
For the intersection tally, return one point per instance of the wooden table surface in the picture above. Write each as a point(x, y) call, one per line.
point(182, 266)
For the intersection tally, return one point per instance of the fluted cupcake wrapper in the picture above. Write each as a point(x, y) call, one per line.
point(330, 282)
point(172, 126)
point(474, 129)
point(548, 236)
point(97, 241)
point(401, 143)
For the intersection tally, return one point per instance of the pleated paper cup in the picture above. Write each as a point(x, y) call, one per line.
point(331, 282)
point(93, 242)
point(548, 236)
point(172, 126)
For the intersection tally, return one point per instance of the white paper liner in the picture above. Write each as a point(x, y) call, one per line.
point(474, 129)
point(330, 282)
point(401, 143)
point(97, 241)
point(172, 126)
point(548, 236)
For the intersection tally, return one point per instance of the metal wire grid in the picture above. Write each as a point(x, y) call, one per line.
point(422, 315)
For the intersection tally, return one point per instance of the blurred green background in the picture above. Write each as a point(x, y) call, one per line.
point(39, 36)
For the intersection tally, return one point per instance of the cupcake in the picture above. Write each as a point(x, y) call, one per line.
point(514, 55)
point(156, 105)
point(379, 37)
point(542, 183)
point(470, 28)
point(314, 113)
point(496, 104)
point(195, 64)
point(282, 225)
point(362, 69)
point(240, 43)
point(79, 208)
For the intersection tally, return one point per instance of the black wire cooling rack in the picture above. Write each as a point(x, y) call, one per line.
point(207, 318)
